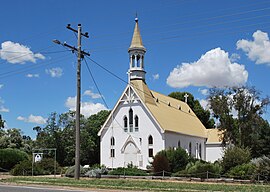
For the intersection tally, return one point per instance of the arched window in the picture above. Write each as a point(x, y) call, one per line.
point(150, 146)
point(142, 64)
point(200, 151)
point(112, 141)
point(125, 123)
point(138, 61)
point(150, 140)
point(179, 144)
point(130, 116)
point(190, 148)
point(136, 123)
point(130, 120)
point(133, 61)
point(112, 147)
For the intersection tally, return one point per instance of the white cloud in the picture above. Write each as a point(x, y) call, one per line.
point(213, 69)
point(204, 91)
point(156, 76)
point(17, 53)
point(91, 94)
point(1, 86)
point(2, 108)
point(257, 50)
point(32, 75)
point(55, 72)
point(32, 119)
point(87, 108)
point(204, 103)
point(235, 57)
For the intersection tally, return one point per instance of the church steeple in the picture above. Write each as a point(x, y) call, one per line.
point(136, 55)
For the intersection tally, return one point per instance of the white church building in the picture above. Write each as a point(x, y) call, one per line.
point(144, 122)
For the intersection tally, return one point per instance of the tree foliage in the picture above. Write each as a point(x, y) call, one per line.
point(202, 114)
point(239, 111)
point(234, 156)
point(177, 158)
point(10, 157)
point(59, 133)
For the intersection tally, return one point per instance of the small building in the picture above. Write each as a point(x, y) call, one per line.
point(144, 122)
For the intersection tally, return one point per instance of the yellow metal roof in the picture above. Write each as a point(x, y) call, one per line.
point(214, 135)
point(136, 39)
point(172, 114)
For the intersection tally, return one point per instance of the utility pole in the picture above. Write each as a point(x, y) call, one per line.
point(80, 56)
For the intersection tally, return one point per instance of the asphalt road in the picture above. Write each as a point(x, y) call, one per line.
point(15, 188)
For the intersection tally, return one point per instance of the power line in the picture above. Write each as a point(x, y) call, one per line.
point(164, 102)
point(95, 84)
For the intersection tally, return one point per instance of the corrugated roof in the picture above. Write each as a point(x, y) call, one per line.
point(214, 135)
point(172, 114)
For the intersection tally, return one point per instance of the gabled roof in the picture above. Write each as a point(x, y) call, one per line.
point(171, 114)
point(214, 136)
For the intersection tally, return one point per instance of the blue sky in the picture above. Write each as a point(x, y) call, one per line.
point(191, 45)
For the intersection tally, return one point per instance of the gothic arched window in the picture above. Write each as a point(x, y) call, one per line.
point(179, 144)
point(190, 148)
point(200, 151)
point(125, 123)
point(136, 123)
point(112, 141)
point(150, 140)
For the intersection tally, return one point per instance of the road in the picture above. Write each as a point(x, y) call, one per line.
point(16, 188)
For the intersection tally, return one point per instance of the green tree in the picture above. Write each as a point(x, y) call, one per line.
point(239, 111)
point(202, 114)
point(177, 158)
point(90, 146)
point(234, 156)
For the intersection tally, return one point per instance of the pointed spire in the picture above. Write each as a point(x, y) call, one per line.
point(136, 42)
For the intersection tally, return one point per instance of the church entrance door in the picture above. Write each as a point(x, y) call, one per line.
point(131, 154)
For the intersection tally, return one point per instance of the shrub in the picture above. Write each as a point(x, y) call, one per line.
point(96, 172)
point(234, 156)
point(160, 164)
point(177, 158)
point(262, 168)
point(10, 157)
point(130, 171)
point(71, 171)
point(25, 168)
point(200, 169)
point(244, 171)
point(44, 167)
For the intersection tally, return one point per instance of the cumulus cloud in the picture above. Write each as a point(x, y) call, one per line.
point(213, 69)
point(2, 108)
point(87, 108)
point(235, 57)
point(257, 50)
point(32, 75)
point(156, 76)
point(204, 91)
point(32, 119)
point(91, 94)
point(55, 72)
point(17, 53)
point(204, 103)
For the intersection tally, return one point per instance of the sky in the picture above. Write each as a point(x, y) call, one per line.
point(192, 45)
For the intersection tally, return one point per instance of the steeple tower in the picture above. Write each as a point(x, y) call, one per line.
point(136, 55)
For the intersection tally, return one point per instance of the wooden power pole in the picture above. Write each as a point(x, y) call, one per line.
point(80, 56)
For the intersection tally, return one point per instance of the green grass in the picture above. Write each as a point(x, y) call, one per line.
point(139, 185)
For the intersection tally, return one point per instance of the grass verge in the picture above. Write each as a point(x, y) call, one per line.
point(138, 185)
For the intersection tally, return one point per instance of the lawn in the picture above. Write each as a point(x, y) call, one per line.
point(138, 185)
